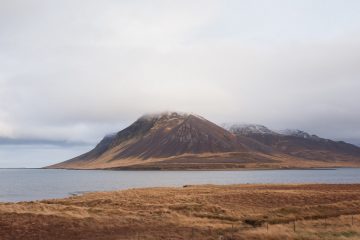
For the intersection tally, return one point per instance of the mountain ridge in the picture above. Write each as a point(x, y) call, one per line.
point(174, 140)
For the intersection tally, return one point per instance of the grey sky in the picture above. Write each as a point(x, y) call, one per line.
point(76, 70)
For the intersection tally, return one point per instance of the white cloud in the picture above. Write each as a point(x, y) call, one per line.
point(79, 69)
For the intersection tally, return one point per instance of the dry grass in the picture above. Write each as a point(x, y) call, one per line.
point(191, 212)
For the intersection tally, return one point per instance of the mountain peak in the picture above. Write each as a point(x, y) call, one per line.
point(164, 115)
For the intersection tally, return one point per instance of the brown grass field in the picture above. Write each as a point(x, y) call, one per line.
point(313, 211)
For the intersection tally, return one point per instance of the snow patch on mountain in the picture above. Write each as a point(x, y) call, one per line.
point(166, 115)
point(297, 133)
point(246, 129)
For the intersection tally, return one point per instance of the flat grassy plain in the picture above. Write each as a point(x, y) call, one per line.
point(312, 211)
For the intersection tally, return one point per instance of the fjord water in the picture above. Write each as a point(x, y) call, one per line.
point(37, 184)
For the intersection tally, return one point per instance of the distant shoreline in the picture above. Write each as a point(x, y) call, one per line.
point(184, 170)
point(20, 168)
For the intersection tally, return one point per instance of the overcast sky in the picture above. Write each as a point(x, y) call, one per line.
point(74, 70)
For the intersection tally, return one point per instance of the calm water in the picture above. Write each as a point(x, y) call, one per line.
point(35, 184)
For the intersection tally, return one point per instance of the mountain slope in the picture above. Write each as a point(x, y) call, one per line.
point(186, 141)
point(161, 137)
point(301, 144)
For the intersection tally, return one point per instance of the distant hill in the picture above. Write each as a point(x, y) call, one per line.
point(186, 141)
point(301, 144)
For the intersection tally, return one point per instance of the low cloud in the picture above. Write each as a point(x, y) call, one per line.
point(42, 142)
point(75, 71)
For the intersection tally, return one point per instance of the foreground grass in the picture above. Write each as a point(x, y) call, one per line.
point(193, 212)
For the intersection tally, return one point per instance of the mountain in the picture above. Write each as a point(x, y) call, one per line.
point(186, 141)
point(297, 133)
point(301, 144)
point(248, 129)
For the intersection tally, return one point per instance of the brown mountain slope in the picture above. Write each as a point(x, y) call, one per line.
point(301, 144)
point(186, 141)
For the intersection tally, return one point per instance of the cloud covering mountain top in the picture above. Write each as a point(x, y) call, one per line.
point(76, 70)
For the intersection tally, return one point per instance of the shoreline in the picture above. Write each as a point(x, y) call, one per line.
point(200, 170)
point(192, 169)
point(82, 193)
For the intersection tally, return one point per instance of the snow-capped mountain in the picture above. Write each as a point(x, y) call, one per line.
point(174, 140)
point(247, 129)
point(297, 133)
